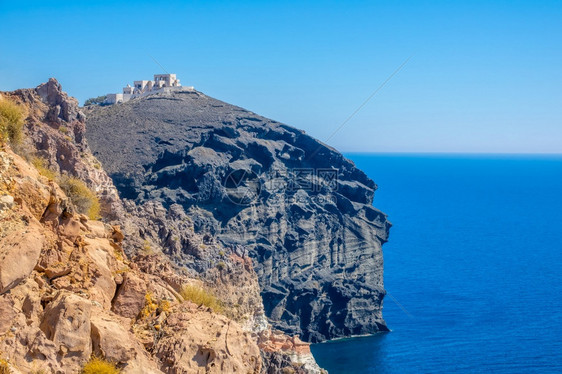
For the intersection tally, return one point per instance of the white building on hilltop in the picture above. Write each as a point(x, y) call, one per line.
point(161, 83)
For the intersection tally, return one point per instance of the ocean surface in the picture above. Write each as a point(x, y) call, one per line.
point(473, 268)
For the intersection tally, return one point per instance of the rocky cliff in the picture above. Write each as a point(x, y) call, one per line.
point(67, 290)
point(76, 286)
point(301, 210)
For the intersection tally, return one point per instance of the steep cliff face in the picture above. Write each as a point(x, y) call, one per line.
point(301, 210)
point(67, 290)
point(70, 268)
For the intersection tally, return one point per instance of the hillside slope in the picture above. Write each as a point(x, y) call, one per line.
point(302, 211)
point(76, 286)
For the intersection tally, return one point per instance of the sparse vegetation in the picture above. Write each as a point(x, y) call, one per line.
point(95, 100)
point(147, 248)
point(4, 367)
point(97, 365)
point(150, 306)
point(201, 296)
point(221, 253)
point(12, 117)
point(118, 254)
point(41, 166)
point(164, 306)
point(84, 199)
point(38, 371)
point(63, 129)
point(221, 265)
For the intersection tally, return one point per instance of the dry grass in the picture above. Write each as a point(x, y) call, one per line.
point(41, 166)
point(84, 199)
point(38, 371)
point(4, 367)
point(97, 365)
point(12, 117)
point(150, 306)
point(201, 296)
point(164, 306)
point(147, 248)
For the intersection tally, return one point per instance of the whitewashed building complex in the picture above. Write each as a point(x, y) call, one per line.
point(161, 83)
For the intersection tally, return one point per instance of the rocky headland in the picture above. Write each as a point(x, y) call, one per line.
point(78, 282)
point(255, 187)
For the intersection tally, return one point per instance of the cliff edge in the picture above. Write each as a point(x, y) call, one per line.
point(73, 286)
point(297, 207)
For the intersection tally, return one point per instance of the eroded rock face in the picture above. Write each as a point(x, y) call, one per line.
point(300, 208)
point(280, 352)
point(214, 345)
point(21, 249)
point(65, 305)
point(87, 260)
point(67, 324)
point(129, 300)
point(55, 130)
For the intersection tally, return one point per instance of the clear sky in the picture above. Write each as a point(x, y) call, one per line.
point(484, 76)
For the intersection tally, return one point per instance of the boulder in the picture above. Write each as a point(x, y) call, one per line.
point(96, 229)
point(130, 297)
point(111, 341)
point(19, 253)
point(103, 263)
point(66, 323)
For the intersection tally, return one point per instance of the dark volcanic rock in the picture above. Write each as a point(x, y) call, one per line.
point(302, 210)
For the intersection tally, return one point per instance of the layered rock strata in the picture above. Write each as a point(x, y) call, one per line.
point(300, 209)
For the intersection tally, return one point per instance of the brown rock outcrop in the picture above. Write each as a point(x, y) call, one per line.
point(55, 132)
point(21, 249)
point(66, 303)
point(66, 323)
point(130, 297)
point(68, 289)
point(215, 344)
point(115, 343)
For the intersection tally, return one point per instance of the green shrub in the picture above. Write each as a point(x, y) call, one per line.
point(95, 100)
point(84, 199)
point(201, 296)
point(12, 117)
point(97, 365)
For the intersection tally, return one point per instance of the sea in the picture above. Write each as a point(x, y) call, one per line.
point(473, 267)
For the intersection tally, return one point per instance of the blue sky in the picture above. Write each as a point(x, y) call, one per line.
point(484, 76)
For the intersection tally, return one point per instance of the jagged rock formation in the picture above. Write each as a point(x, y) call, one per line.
point(68, 289)
point(56, 300)
point(301, 210)
point(55, 130)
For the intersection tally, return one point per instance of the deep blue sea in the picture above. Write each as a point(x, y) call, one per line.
point(473, 268)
